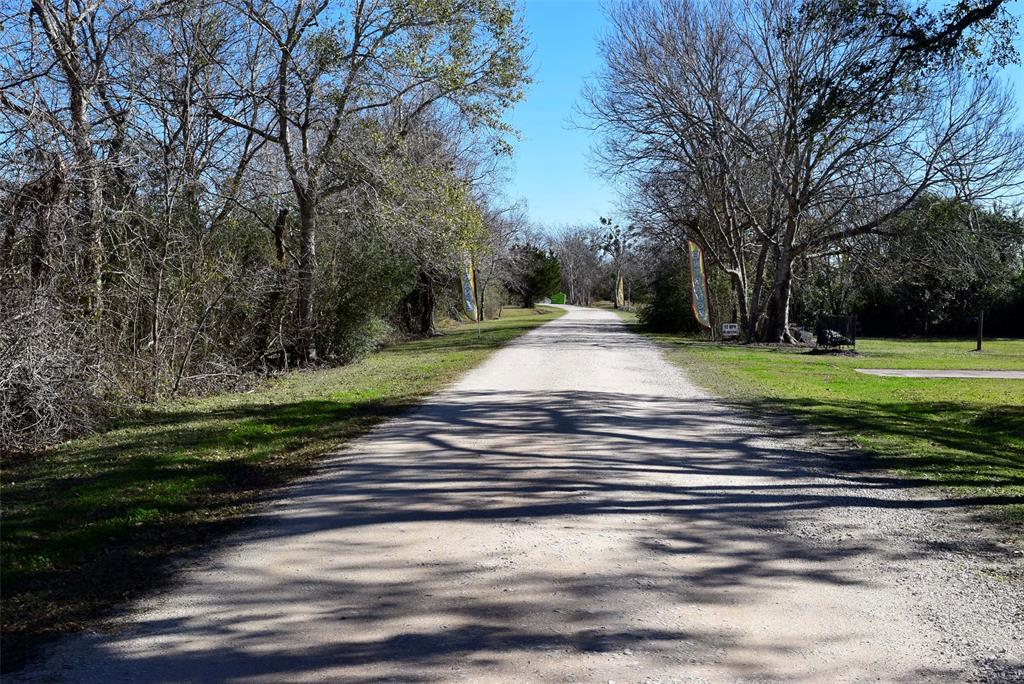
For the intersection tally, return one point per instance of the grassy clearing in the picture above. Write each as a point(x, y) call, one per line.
point(965, 434)
point(94, 520)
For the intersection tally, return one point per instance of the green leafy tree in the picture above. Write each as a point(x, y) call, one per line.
point(939, 265)
point(539, 273)
point(669, 308)
point(324, 69)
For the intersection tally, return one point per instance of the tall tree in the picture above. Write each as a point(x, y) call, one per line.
point(539, 273)
point(324, 69)
point(192, 192)
point(747, 127)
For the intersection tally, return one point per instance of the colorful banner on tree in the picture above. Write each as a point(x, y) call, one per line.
point(699, 285)
point(469, 289)
point(620, 294)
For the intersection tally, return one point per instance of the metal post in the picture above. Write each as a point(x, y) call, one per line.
point(981, 328)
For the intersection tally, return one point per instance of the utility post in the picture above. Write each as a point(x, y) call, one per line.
point(981, 327)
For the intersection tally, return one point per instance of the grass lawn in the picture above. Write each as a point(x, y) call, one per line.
point(965, 434)
point(94, 520)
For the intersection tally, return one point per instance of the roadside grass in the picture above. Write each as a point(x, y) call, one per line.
point(629, 313)
point(964, 434)
point(95, 520)
point(631, 316)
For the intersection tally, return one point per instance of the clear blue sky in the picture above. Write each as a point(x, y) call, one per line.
point(551, 168)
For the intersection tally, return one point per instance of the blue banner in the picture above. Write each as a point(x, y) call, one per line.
point(469, 289)
point(699, 285)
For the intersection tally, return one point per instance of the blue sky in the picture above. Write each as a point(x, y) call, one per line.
point(551, 168)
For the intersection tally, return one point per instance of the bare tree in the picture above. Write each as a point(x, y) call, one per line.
point(494, 257)
point(579, 256)
point(744, 127)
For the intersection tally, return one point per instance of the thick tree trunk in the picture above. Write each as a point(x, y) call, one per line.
point(417, 308)
point(755, 309)
point(44, 193)
point(305, 310)
point(61, 37)
point(480, 300)
point(777, 329)
point(275, 294)
point(406, 308)
point(427, 304)
point(740, 292)
point(89, 188)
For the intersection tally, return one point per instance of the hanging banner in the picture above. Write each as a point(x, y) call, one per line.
point(699, 285)
point(469, 289)
point(620, 294)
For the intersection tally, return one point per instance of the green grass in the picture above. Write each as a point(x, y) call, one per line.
point(94, 520)
point(964, 434)
point(628, 315)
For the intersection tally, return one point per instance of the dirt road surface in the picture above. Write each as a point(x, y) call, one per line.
point(575, 510)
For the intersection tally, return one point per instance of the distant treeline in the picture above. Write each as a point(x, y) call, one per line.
point(893, 318)
point(930, 272)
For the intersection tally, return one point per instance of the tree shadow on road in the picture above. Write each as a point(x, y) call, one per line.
point(678, 477)
point(989, 441)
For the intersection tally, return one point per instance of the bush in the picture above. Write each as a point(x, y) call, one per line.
point(48, 384)
point(669, 307)
point(540, 273)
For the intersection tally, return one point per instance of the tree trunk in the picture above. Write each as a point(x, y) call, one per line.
point(406, 312)
point(305, 344)
point(756, 303)
point(427, 304)
point(276, 292)
point(89, 187)
point(740, 292)
point(480, 301)
point(62, 42)
point(778, 307)
point(50, 189)
point(777, 329)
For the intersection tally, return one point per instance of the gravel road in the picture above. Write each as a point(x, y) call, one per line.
point(576, 510)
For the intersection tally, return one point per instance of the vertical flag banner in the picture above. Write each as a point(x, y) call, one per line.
point(620, 295)
point(469, 289)
point(699, 285)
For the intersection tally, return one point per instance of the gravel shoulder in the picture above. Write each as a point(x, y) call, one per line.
point(576, 510)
